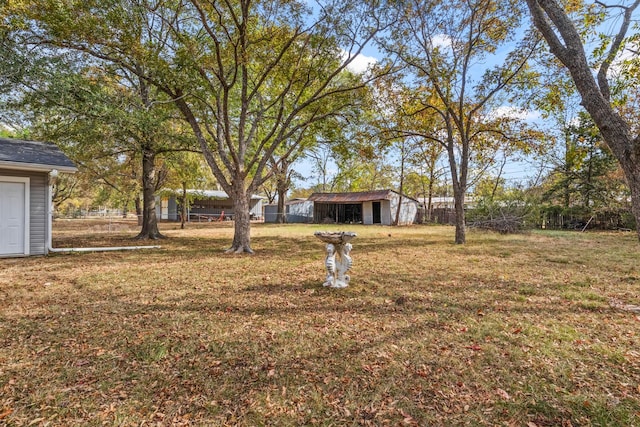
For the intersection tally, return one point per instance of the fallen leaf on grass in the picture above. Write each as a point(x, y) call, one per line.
point(503, 394)
point(5, 413)
point(408, 419)
point(474, 347)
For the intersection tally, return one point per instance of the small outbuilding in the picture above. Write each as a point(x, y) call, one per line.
point(366, 207)
point(28, 169)
point(206, 205)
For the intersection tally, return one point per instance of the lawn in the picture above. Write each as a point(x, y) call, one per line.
point(505, 330)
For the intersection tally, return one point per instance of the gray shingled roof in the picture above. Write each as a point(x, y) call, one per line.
point(31, 153)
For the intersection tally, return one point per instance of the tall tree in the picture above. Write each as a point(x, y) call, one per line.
point(101, 112)
point(247, 76)
point(556, 25)
point(338, 149)
point(445, 46)
point(111, 122)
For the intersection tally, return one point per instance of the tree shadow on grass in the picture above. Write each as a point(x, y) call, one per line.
point(178, 350)
point(213, 345)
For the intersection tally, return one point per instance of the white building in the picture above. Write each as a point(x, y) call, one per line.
point(366, 207)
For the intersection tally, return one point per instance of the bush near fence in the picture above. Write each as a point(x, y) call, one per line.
point(557, 218)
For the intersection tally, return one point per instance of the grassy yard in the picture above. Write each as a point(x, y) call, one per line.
point(505, 330)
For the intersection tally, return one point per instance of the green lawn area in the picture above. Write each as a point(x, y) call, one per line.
point(513, 330)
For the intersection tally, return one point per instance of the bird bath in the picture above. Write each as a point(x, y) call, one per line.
point(338, 260)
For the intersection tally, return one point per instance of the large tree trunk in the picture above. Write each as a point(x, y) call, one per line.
point(283, 182)
point(461, 228)
point(396, 221)
point(429, 206)
point(138, 209)
point(459, 184)
point(242, 222)
point(631, 171)
point(565, 43)
point(149, 219)
point(183, 212)
point(616, 133)
point(282, 188)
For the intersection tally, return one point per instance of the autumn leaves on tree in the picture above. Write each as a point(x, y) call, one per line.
point(253, 85)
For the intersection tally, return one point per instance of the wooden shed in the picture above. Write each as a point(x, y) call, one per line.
point(27, 171)
point(366, 207)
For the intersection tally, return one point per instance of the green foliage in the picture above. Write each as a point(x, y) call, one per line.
point(115, 125)
point(587, 175)
point(249, 78)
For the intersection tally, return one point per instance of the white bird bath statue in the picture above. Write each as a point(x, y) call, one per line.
point(338, 260)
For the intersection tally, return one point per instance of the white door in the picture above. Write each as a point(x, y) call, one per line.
point(14, 226)
point(164, 209)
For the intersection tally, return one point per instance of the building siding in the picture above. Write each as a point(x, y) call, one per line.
point(38, 208)
point(408, 211)
point(367, 213)
point(256, 208)
point(38, 213)
point(300, 212)
point(173, 210)
point(385, 212)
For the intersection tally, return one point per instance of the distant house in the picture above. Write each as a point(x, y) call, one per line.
point(206, 205)
point(447, 202)
point(27, 171)
point(296, 210)
point(367, 207)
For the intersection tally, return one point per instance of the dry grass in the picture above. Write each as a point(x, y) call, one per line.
point(506, 330)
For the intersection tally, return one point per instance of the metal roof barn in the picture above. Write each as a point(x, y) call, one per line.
point(365, 207)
